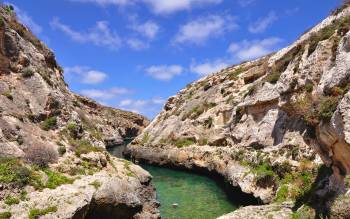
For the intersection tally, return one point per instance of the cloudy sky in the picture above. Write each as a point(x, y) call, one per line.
point(134, 54)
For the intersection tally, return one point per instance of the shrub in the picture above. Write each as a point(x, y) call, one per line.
point(234, 75)
point(62, 150)
point(27, 73)
point(183, 143)
point(328, 105)
point(5, 215)
point(309, 87)
point(203, 141)
point(49, 123)
point(11, 200)
point(13, 171)
point(95, 184)
point(209, 122)
point(145, 138)
point(84, 147)
point(36, 213)
point(41, 155)
point(8, 95)
point(273, 77)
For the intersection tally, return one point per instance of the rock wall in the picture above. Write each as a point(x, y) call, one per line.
point(53, 162)
point(266, 125)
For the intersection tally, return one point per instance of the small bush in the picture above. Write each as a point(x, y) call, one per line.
point(8, 95)
point(11, 200)
point(62, 150)
point(84, 147)
point(95, 184)
point(145, 138)
point(309, 87)
point(41, 155)
point(5, 215)
point(328, 105)
point(13, 171)
point(36, 213)
point(27, 73)
point(203, 141)
point(273, 77)
point(49, 123)
point(183, 143)
point(209, 122)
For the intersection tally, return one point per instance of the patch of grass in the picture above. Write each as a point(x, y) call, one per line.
point(49, 123)
point(5, 215)
point(13, 171)
point(56, 179)
point(209, 122)
point(179, 143)
point(27, 73)
point(11, 200)
point(203, 141)
point(96, 184)
point(282, 194)
point(145, 138)
point(36, 213)
point(83, 146)
point(234, 75)
point(127, 165)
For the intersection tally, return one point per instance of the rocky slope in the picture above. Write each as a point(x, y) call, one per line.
point(278, 127)
point(52, 142)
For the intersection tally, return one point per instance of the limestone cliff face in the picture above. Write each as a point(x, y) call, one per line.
point(52, 142)
point(266, 125)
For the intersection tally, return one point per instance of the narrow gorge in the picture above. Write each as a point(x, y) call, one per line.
point(265, 139)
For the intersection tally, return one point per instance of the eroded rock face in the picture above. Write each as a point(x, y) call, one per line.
point(266, 125)
point(65, 135)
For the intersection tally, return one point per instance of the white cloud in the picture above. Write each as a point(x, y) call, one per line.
point(149, 29)
point(104, 94)
point(248, 50)
point(105, 2)
point(164, 72)
point(263, 23)
point(99, 35)
point(86, 74)
point(171, 6)
point(245, 3)
point(206, 68)
point(146, 107)
point(26, 19)
point(200, 30)
point(137, 44)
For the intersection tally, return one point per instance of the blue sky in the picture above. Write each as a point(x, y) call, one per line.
point(134, 54)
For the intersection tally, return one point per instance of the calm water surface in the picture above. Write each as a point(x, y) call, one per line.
point(196, 196)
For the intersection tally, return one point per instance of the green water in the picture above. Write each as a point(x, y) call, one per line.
point(197, 196)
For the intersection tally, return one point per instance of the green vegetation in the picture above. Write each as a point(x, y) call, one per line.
point(273, 77)
point(282, 194)
point(62, 150)
point(198, 110)
point(72, 126)
point(36, 213)
point(145, 138)
point(309, 87)
point(49, 123)
point(127, 165)
point(234, 75)
point(56, 179)
point(203, 141)
point(9, 9)
point(13, 171)
point(304, 213)
point(327, 107)
point(179, 143)
point(96, 184)
point(8, 95)
point(27, 73)
point(83, 146)
point(5, 215)
point(11, 200)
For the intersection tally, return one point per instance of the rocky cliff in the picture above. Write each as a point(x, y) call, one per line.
point(277, 128)
point(52, 142)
